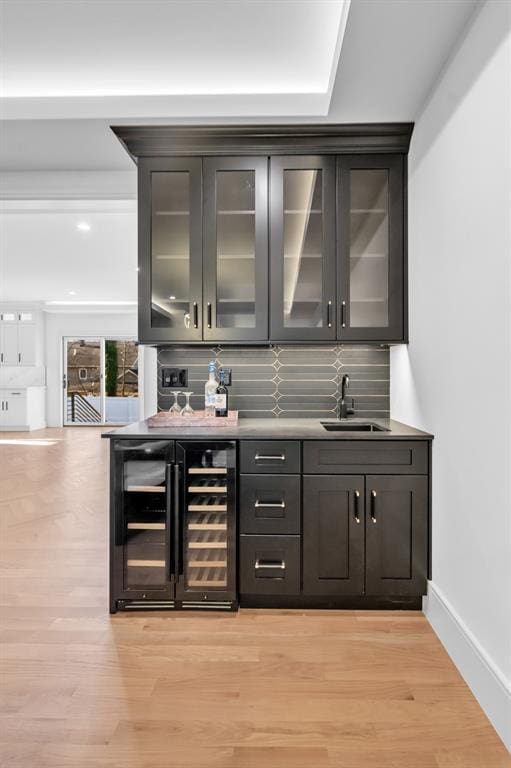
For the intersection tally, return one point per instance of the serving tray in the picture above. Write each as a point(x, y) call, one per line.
point(195, 419)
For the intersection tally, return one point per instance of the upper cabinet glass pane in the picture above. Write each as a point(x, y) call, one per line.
point(369, 248)
point(303, 249)
point(170, 249)
point(235, 249)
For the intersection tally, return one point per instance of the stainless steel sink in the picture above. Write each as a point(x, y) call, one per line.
point(346, 426)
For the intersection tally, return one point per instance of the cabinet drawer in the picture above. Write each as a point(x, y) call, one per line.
point(360, 456)
point(270, 504)
point(270, 565)
point(272, 456)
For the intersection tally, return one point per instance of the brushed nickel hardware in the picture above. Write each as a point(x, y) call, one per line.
point(271, 504)
point(373, 506)
point(278, 566)
point(355, 513)
point(270, 457)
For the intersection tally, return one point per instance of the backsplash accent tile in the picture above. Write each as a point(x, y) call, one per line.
point(287, 382)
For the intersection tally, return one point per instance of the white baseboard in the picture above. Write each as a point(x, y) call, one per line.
point(486, 681)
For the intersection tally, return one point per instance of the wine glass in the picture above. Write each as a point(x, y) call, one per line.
point(175, 409)
point(187, 410)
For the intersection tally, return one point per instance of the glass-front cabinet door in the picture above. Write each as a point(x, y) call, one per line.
point(302, 250)
point(207, 500)
point(235, 248)
point(142, 541)
point(170, 249)
point(370, 228)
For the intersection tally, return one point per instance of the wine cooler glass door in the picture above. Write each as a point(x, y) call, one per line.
point(208, 498)
point(144, 539)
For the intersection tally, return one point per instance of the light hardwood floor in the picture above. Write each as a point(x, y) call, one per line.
point(257, 689)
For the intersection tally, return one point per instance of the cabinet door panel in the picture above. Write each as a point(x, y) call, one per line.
point(9, 337)
point(302, 249)
point(396, 535)
point(27, 343)
point(333, 535)
point(170, 249)
point(371, 247)
point(236, 248)
point(15, 409)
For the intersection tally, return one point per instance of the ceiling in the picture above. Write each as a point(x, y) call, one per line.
point(45, 257)
point(72, 68)
point(307, 62)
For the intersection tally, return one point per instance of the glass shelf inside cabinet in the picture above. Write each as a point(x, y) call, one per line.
point(145, 523)
point(206, 526)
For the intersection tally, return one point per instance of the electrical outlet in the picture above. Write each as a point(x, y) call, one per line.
point(174, 378)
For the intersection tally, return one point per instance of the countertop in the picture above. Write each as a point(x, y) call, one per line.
point(271, 429)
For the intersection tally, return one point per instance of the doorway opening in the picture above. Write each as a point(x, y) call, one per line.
point(100, 381)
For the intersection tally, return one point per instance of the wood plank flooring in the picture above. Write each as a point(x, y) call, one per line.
point(257, 689)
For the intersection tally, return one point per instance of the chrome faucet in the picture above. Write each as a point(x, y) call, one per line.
point(343, 411)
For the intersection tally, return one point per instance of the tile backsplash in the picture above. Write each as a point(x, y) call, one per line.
point(286, 382)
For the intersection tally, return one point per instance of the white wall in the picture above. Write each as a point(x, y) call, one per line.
point(454, 379)
point(59, 325)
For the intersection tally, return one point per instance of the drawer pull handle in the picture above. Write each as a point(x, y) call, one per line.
point(270, 457)
point(281, 566)
point(355, 513)
point(279, 504)
point(373, 506)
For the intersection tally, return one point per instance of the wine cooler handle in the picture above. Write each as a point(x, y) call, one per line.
point(168, 517)
point(177, 522)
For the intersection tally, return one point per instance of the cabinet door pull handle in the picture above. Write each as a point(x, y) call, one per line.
point(19, 357)
point(195, 315)
point(268, 457)
point(343, 314)
point(373, 506)
point(270, 504)
point(355, 513)
point(281, 566)
point(209, 314)
point(329, 314)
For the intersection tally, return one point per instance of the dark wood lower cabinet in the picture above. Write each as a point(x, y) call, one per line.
point(396, 534)
point(333, 535)
point(365, 535)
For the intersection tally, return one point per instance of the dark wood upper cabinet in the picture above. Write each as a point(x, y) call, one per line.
point(235, 248)
point(396, 534)
point(170, 249)
point(302, 248)
point(370, 243)
point(271, 233)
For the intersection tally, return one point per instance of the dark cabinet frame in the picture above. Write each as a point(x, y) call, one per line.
point(146, 332)
point(278, 165)
point(395, 331)
point(260, 330)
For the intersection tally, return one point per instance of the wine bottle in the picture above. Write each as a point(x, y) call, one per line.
point(210, 390)
point(221, 408)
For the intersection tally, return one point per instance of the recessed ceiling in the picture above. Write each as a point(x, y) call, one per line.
point(78, 48)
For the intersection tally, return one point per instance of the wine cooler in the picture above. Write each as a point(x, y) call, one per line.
point(173, 525)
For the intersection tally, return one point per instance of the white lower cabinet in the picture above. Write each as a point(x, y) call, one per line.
point(22, 409)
